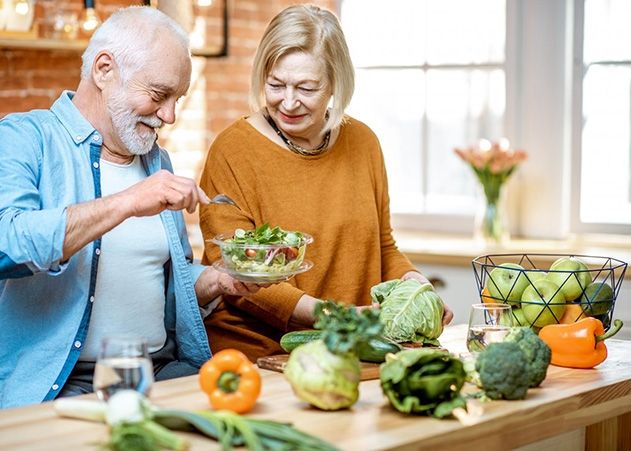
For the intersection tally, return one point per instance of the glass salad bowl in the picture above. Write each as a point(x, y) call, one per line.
point(262, 255)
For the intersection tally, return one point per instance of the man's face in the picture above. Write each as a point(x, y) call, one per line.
point(146, 101)
point(136, 132)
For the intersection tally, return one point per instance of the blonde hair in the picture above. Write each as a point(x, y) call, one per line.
point(310, 29)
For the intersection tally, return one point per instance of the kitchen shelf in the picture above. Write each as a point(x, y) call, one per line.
point(76, 45)
point(43, 44)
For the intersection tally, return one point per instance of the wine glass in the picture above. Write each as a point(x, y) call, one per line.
point(123, 363)
point(488, 323)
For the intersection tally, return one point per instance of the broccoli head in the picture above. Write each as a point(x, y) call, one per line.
point(537, 352)
point(503, 370)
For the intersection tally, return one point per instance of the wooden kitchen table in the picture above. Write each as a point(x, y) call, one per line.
point(599, 399)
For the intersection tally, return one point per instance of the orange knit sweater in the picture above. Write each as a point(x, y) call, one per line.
point(339, 197)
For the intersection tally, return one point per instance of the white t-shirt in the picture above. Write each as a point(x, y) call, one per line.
point(129, 298)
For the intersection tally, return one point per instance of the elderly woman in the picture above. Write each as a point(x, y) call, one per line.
point(300, 163)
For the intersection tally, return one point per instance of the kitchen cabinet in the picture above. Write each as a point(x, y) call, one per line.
point(456, 286)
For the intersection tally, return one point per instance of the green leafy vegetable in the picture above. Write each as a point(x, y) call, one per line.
point(345, 327)
point(410, 311)
point(423, 381)
point(266, 235)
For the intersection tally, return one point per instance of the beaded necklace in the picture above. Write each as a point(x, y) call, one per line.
point(295, 147)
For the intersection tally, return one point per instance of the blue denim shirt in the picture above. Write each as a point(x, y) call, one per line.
point(49, 159)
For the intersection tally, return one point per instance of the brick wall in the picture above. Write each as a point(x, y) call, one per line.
point(219, 89)
point(34, 78)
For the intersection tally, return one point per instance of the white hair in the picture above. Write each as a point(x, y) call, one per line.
point(129, 34)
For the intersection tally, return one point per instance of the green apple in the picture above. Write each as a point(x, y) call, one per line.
point(534, 275)
point(519, 320)
point(506, 282)
point(572, 275)
point(597, 298)
point(605, 319)
point(543, 303)
point(515, 318)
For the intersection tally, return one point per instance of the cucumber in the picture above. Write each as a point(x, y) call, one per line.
point(374, 350)
point(292, 340)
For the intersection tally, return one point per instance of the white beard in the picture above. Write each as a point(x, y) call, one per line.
point(126, 122)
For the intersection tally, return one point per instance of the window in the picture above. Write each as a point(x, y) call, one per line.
point(554, 77)
point(605, 76)
point(429, 78)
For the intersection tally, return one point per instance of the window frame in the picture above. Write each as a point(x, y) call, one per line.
point(463, 223)
point(579, 70)
point(543, 115)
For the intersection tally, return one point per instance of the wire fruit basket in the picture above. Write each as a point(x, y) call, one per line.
point(545, 289)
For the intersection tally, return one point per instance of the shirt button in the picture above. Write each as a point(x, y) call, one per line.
point(55, 387)
point(77, 344)
point(96, 137)
point(78, 137)
point(97, 251)
point(95, 164)
point(91, 298)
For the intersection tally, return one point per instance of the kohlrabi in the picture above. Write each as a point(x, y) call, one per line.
point(326, 372)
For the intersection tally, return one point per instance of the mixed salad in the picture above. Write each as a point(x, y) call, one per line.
point(265, 250)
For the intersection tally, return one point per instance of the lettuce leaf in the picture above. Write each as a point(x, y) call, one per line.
point(423, 381)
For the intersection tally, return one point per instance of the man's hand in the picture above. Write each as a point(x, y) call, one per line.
point(212, 283)
point(161, 191)
point(90, 220)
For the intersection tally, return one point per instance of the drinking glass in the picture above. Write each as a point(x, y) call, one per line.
point(488, 323)
point(123, 363)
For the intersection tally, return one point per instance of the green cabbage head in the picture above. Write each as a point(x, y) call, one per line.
point(410, 311)
point(323, 379)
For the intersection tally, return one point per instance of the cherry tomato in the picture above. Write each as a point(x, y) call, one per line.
point(250, 253)
point(291, 253)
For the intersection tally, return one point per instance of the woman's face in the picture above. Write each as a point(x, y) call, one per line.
point(297, 93)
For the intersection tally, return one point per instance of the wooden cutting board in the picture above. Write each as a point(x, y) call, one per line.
point(277, 363)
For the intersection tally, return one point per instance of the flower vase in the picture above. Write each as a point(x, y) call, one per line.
point(491, 221)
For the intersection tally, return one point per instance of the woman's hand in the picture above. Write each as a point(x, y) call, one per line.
point(302, 317)
point(416, 276)
point(448, 315)
point(303, 313)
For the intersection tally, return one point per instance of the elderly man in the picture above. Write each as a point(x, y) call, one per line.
point(92, 239)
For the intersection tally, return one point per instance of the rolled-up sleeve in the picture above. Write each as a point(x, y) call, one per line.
point(31, 238)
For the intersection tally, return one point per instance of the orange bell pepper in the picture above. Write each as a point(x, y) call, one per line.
point(230, 381)
point(580, 344)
